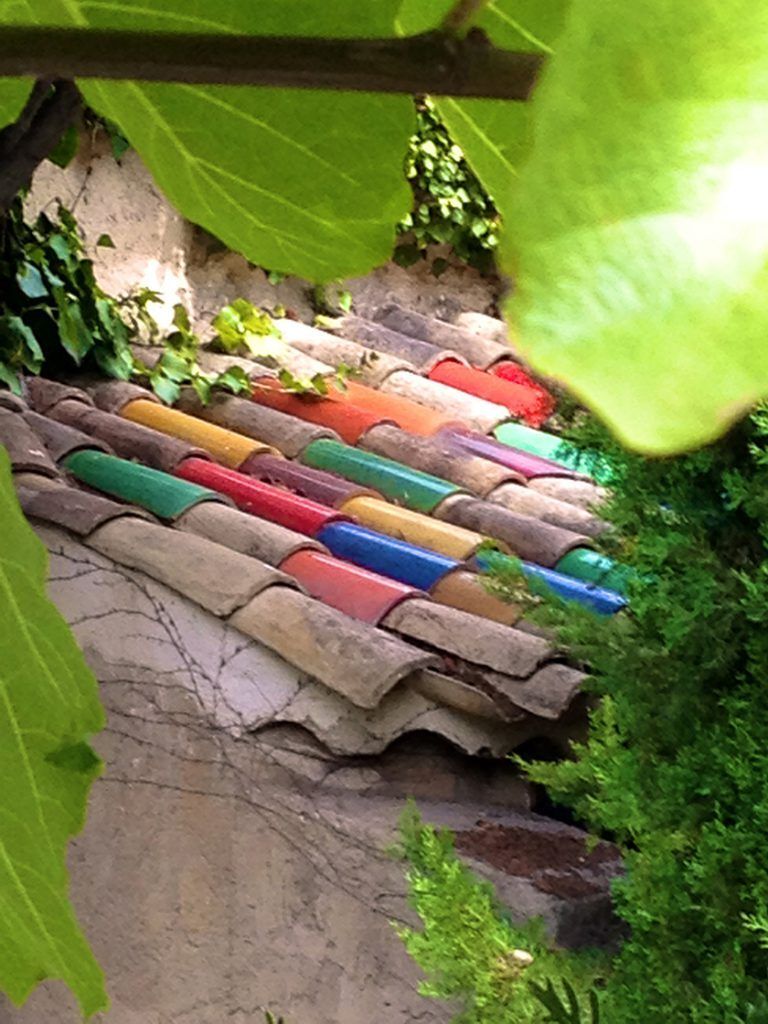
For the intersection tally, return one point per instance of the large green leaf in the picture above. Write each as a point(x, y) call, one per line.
point(48, 707)
point(496, 135)
point(13, 95)
point(310, 183)
point(642, 220)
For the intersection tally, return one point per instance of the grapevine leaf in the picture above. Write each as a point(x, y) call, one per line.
point(48, 707)
point(641, 220)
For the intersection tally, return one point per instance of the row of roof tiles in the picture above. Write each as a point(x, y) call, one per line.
point(358, 568)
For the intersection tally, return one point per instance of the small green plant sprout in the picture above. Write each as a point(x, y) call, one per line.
point(178, 364)
point(242, 327)
point(566, 1010)
point(270, 1018)
point(331, 299)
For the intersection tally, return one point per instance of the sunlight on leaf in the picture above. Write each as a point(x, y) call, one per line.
point(49, 706)
point(641, 223)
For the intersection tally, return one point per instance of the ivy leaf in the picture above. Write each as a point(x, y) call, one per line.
point(73, 332)
point(66, 148)
point(21, 341)
point(48, 707)
point(31, 282)
point(165, 389)
point(13, 96)
point(642, 221)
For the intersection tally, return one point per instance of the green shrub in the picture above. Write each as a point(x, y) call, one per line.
point(450, 204)
point(676, 764)
point(472, 953)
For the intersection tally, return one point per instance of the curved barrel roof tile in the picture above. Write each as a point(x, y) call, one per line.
point(353, 658)
point(284, 432)
point(391, 636)
point(211, 575)
point(479, 349)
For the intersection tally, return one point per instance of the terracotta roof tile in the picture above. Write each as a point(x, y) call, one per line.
point(484, 325)
point(225, 446)
point(11, 402)
point(127, 439)
point(113, 395)
point(268, 542)
point(433, 455)
point(80, 512)
point(479, 349)
point(467, 592)
point(470, 411)
point(315, 484)
point(359, 593)
point(452, 692)
point(27, 452)
point(60, 439)
point(528, 538)
point(583, 493)
point(356, 660)
point(414, 527)
point(419, 354)
point(548, 693)
point(530, 502)
point(374, 367)
point(348, 420)
point(278, 429)
point(163, 495)
point(469, 637)
point(43, 394)
point(215, 577)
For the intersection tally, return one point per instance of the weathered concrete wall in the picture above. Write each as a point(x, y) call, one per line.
point(224, 869)
point(157, 248)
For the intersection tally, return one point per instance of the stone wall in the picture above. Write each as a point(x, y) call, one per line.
point(157, 248)
point(226, 867)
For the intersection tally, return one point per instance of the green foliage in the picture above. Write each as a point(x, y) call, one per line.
point(178, 363)
point(496, 137)
point(641, 223)
point(49, 707)
point(13, 96)
point(294, 180)
point(631, 185)
point(51, 308)
point(566, 1009)
point(270, 1018)
point(676, 765)
point(243, 329)
point(451, 206)
point(468, 947)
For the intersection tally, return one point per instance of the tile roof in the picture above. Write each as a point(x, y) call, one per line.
point(344, 533)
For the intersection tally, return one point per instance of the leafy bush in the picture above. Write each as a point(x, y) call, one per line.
point(450, 204)
point(51, 308)
point(470, 950)
point(676, 764)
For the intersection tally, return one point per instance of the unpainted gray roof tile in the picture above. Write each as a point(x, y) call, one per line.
point(217, 578)
point(357, 660)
